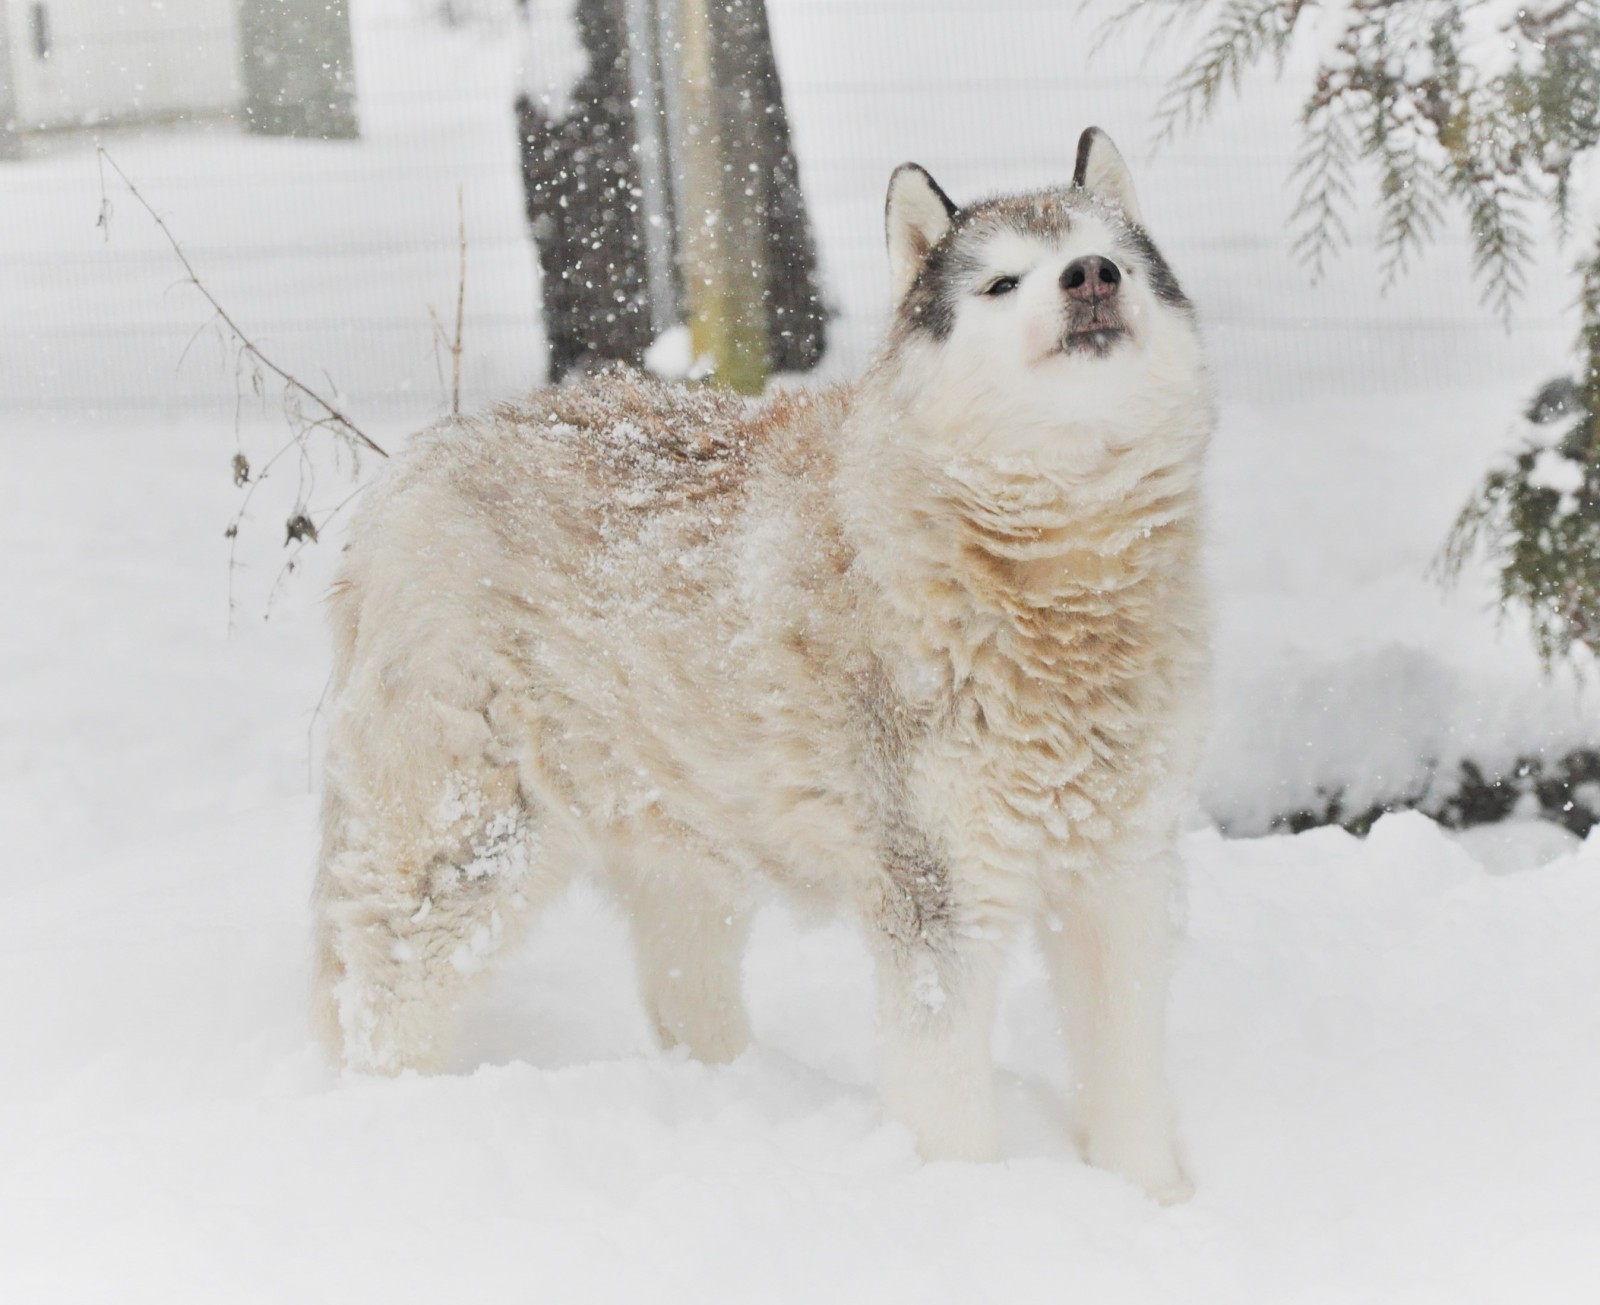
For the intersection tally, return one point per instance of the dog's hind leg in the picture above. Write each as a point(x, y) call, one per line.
point(690, 923)
point(411, 906)
point(1109, 951)
point(937, 998)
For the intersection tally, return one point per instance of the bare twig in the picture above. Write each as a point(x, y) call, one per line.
point(443, 342)
point(341, 423)
point(461, 300)
point(305, 410)
point(311, 734)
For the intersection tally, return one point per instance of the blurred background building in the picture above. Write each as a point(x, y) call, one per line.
point(279, 67)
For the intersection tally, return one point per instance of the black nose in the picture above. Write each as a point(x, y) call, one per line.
point(1091, 278)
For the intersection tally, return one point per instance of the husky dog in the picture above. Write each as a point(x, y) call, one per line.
point(930, 646)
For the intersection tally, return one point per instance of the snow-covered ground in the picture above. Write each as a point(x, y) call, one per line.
point(1386, 1052)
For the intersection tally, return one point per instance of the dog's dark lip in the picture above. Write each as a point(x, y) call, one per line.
point(1096, 339)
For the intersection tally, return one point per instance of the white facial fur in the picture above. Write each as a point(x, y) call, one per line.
point(999, 383)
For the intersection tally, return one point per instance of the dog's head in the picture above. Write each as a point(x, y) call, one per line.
point(1049, 311)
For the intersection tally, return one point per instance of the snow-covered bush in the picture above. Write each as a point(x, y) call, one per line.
point(1538, 517)
point(1489, 107)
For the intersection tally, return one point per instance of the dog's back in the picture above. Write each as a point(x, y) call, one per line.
point(555, 645)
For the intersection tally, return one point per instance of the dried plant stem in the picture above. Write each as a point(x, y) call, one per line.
point(442, 341)
point(461, 301)
point(335, 419)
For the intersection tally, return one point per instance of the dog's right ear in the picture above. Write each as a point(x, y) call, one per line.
point(1101, 171)
point(916, 214)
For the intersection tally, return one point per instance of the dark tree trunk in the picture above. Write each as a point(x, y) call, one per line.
point(581, 185)
point(584, 195)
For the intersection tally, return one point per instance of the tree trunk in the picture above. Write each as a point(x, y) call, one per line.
point(297, 68)
point(724, 245)
point(595, 179)
point(10, 135)
point(771, 201)
point(580, 180)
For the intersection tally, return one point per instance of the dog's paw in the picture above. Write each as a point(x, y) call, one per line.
point(1152, 1164)
point(976, 1144)
point(1175, 1190)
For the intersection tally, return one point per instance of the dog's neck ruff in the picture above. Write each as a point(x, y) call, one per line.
point(1044, 616)
point(1020, 535)
point(1041, 538)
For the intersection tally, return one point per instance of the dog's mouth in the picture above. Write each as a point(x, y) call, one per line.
point(1095, 340)
point(1095, 333)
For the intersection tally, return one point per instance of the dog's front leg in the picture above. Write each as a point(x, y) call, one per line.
point(937, 1006)
point(1108, 944)
point(689, 928)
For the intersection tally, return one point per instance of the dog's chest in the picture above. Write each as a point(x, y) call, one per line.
point(1049, 725)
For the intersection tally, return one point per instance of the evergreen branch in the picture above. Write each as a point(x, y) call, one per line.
point(1501, 241)
point(1589, 347)
point(1244, 31)
point(1411, 203)
point(1325, 169)
point(1500, 141)
point(1160, 24)
point(1466, 532)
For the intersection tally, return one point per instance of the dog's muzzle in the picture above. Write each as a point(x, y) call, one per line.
point(1094, 322)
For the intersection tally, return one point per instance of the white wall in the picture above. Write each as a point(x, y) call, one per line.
point(117, 59)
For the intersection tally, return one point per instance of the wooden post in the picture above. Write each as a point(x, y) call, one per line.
point(10, 135)
point(297, 68)
point(755, 119)
point(649, 118)
point(724, 243)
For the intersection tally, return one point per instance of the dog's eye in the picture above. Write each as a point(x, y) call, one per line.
point(1001, 285)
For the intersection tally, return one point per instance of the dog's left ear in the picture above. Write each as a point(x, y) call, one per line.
point(916, 214)
point(1101, 171)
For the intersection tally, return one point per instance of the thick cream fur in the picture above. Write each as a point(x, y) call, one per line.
point(929, 648)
